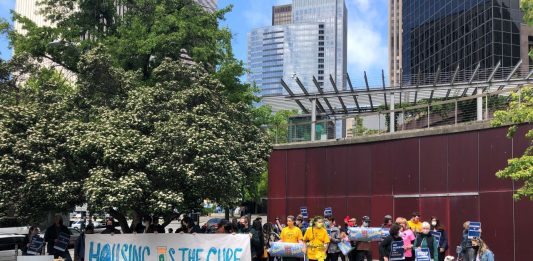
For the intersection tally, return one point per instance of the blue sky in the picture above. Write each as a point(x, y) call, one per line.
point(367, 31)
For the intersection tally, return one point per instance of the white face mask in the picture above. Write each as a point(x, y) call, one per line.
point(433, 223)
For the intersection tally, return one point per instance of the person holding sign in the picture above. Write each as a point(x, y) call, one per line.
point(55, 234)
point(483, 251)
point(426, 243)
point(291, 234)
point(317, 240)
point(408, 238)
point(467, 252)
point(33, 232)
point(392, 247)
point(437, 230)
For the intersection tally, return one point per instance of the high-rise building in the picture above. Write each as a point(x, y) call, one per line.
point(30, 9)
point(448, 34)
point(281, 14)
point(395, 41)
point(312, 45)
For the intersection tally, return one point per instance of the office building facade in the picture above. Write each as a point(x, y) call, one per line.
point(312, 45)
point(448, 34)
point(395, 41)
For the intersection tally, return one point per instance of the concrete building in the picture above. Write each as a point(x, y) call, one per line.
point(311, 45)
point(395, 41)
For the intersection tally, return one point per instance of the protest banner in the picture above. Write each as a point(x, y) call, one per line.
point(280, 249)
point(474, 229)
point(167, 247)
point(328, 212)
point(62, 242)
point(35, 258)
point(345, 247)
point(36, 246)
point(397, 252)
point(423, 254)
point(303, 211)
point(366, 233)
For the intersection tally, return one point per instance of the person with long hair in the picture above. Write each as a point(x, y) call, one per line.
point(408, 237)
point(483, 251)
point(335, 238)
point(436, 227)
point(32, 232)
point(317, 240)
point(386, 245)
point(258, 227)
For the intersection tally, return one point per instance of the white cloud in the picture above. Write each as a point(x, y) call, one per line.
point(362, 5)
point(283, 2)
point(367, 37)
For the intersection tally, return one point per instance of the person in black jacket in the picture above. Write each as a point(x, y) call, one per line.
point(188, 226)
point(443, 241)
point(110, 228)
point(32, 232)
point(52, 234)
point(386, 245)
point(426, 240)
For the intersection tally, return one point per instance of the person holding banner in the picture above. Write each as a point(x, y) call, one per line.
point(392, 247)
point(483, 251)
point(425, 242)
point(317, 240)
point(408, 238)
point(440, 235)
point(79, 248)
point(291, 234)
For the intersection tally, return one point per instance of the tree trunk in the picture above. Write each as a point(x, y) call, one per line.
point(226, 213)
point(121, 220)
point(137, 218)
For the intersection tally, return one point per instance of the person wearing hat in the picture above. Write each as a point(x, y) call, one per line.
point(387, 222)
point(363, 249)
point(415, 223)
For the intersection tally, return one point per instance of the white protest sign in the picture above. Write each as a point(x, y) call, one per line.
point(167, 247)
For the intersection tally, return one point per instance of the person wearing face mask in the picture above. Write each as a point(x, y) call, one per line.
point(351, 222)
point(362, 248)
point(483, 251)
point(243, 227)
point(291, 234)
point(110, 228)
point(426, 240)
point(335, 237)
point(386, 245)
point(415, 223)
point(317, 240)
point(436, 227)
point(79, 248)
point(408, 238)
point(188, 226)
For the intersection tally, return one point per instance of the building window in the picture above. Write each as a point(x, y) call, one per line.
point(321, 55)
point(320, 60)
point(321, 38)
point(320, 71)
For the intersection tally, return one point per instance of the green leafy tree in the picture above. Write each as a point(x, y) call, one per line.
point(142, 130)
point(519, 169)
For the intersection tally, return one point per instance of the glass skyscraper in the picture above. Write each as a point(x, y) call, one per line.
point(313, 45)
point(448, 33)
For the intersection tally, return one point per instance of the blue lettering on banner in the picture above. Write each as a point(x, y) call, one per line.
point(116, 252)
point(397, 251)
point(131, 252)
point(423, 254)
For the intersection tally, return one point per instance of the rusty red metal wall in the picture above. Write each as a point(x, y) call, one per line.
point(388, 177)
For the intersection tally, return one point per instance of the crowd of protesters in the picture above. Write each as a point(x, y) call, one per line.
point(320, 236)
